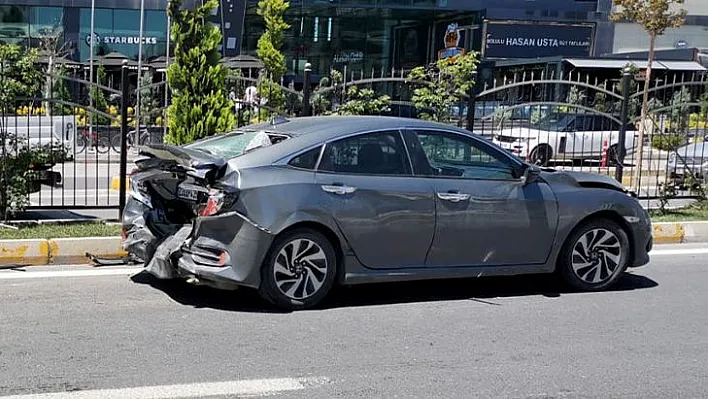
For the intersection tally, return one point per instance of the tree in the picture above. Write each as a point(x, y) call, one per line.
point(52, 46)
point(271, 41)
point(268, 51)
point(200, 103)
point(442, 85)
point(655, 16)
point(99, 98)
point(18, 78)
point(149, 100)
point(60, 92)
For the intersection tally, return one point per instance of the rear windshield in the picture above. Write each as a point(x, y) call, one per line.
point(233, 144)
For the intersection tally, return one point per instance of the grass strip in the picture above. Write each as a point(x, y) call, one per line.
point(46, 231)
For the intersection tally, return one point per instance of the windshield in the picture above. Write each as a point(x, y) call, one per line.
point(552, 122)
point(233, 144)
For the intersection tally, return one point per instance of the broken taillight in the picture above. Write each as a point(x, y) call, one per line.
point(214, 203)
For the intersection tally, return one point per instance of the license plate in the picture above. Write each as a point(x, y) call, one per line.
point(188, 194)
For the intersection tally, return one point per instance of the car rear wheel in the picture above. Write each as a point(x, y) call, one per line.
point(299, 270)
point(595, 255)
point(541, 155)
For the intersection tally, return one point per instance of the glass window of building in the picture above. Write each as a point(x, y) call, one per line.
point(14, 25)
point(358, 38)
point(119, 30)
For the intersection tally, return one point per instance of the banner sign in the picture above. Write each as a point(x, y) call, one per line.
point(523, 40)
point(453, 42)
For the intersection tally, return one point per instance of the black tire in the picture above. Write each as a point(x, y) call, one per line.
point(541, 155)
point(577, 268)
point(115, 143)
point(302, 273)
point(81, 144)
point(103, 145)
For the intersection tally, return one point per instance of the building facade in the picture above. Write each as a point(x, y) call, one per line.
point(366, 35)
point(363, 35)
point(629, 37)
point(116, 25)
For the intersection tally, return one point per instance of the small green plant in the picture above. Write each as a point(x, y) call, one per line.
point(364, 102)
point(667, 142)
point(19, 77)
point(667, 192)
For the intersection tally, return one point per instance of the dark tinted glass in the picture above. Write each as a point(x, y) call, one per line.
point(307, 160)
point(380, 153)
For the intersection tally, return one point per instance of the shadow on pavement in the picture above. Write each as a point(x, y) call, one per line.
point(483, 290)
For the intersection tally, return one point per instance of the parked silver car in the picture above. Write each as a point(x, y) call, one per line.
point(689, 164)
point(293, 207)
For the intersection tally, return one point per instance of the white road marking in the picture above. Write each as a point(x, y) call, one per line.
point(84, 271)
point(687, 251)
point(104, 271)
point(197, 390)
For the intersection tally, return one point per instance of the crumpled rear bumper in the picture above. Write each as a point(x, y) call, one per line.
point(222, 251)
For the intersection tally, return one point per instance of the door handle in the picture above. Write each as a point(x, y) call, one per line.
point(338, 189)
point(453, 197)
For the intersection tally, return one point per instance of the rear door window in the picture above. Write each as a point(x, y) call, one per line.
point(306, 160)
point(379, 153)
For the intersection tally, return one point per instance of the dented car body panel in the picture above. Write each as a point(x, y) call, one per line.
point(211, 211)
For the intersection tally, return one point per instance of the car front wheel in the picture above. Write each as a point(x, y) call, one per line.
point(299, 270)
point(595, 255)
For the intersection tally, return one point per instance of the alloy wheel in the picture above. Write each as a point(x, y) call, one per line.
point(596, 256)
point(300, 269)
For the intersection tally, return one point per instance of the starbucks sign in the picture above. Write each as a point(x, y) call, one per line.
point(97, 39)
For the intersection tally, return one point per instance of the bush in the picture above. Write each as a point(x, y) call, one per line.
point(18, 176)
point(667, 142)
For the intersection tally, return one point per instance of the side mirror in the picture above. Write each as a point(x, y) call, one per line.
point(531, 174)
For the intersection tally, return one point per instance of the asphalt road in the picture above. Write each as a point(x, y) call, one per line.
point(122, 336)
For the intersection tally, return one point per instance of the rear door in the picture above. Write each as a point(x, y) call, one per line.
point(385, 214)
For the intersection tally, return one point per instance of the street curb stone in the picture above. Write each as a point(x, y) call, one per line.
point(62, 251)
point(58, 251)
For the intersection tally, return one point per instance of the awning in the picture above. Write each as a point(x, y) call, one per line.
point(611, 64)
point(683, 66)
point(619, 64)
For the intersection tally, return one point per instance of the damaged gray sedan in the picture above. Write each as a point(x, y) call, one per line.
point(292, 207)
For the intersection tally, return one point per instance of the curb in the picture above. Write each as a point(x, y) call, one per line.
point(668, 233)
point(115, 183)
point(64, 251)
point(59, 251)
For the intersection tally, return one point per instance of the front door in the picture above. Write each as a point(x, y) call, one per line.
point(386, 215)
point(485, 215)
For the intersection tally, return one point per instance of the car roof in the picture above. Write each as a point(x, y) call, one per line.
point(330, 127)
point(308, 132)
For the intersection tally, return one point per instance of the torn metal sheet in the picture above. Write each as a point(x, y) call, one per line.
point(160, 265)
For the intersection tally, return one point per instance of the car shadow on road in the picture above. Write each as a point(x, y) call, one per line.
point(483, 290)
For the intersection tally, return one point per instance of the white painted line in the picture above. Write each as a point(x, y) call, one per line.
point(197, 390)
point(688, 251)
point(103, 271)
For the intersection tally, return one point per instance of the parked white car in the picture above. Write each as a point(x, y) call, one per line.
point(565, 137)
